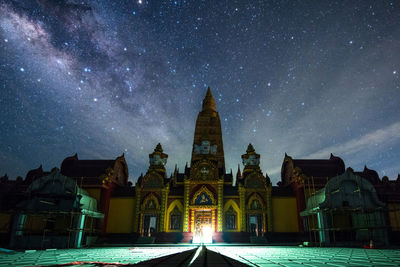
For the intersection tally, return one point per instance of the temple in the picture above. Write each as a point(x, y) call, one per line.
point(89, 201)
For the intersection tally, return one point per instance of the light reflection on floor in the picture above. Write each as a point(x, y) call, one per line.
point(292, 256)
point(251, 255)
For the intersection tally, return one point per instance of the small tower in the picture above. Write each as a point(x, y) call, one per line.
point(158, 159)
point(251, 159)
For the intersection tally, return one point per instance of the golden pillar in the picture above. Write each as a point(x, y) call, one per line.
point(186, 206)
point(269, 208)
point(141, 224)
point(137, 212)
point(192, 227)
point(220, 204)
point(213, 220)
point(242, 199)
point(163, 215)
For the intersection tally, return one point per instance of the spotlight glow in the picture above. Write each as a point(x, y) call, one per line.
point(204, 236)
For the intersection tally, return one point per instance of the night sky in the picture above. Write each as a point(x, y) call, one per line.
point(102, 78)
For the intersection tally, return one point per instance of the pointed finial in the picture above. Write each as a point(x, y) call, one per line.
point(250, 149)
point(208, 101)
point(158, 148)
point(238, 173)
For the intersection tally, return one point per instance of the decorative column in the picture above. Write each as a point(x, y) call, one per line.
point(186, 206)
point(220, 204)
point(192, 227)
point(79, 224)
point(242, 198)
point(163, 215)
point(137, 212)
point(322, 225)
point(269, 208)
point(213, 220)
point(17, 229)
point(141, 224)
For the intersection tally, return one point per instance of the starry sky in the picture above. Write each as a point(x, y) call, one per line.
point(102, 78)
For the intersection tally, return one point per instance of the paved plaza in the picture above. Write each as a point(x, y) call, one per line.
point(250, 255)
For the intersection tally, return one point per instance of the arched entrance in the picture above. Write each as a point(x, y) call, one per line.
point(202, 226)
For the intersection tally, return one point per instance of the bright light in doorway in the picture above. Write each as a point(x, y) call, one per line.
point(204, 236)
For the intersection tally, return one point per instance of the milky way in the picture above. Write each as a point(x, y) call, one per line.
point(102, 78)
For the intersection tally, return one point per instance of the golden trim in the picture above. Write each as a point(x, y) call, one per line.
point(204, 181)
point(175, 203)
point(234, 205)
point(192, 221)
point(200, 207)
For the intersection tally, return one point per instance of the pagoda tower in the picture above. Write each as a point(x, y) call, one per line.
point(207, 142)
point(203, 188)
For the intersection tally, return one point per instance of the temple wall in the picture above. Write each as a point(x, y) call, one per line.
point(95, 193)
point(121, 215)
point(5, 222)
point(284, 214)
point(394, 216)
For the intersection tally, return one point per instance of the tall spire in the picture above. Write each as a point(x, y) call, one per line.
point(207, 141)
point(209, 102)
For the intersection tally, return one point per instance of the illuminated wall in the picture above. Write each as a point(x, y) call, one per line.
point(394, 216)
point(284, 214)
point(121, 215)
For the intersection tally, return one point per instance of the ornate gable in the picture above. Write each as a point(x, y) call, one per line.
point(255, 203)
point(151, 203)
point(203, 196)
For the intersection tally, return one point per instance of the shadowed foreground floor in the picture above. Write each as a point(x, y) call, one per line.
point(214, 255)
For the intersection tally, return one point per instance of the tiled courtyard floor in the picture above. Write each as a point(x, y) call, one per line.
point(251, 255)
point(297, 256)
point(107, 255)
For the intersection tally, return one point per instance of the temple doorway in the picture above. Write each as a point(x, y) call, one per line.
point(255, 223)
point(149, 224)
point(202, 226)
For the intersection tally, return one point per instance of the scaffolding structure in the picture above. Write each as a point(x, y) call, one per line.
point(363, 224)
point(67, 219)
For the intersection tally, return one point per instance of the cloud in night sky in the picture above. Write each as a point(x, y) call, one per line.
point(101, 79)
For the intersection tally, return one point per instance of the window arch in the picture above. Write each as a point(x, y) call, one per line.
point(174, 212)
point(232, 216)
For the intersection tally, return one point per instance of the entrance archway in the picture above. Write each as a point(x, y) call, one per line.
point(202, 226)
